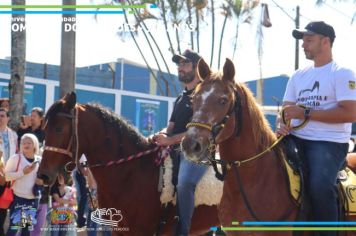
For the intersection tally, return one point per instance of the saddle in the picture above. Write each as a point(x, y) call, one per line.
point(208, 190)
point(293, 166)
point(347, 190)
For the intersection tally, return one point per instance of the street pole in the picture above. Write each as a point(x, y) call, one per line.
point(296, 66)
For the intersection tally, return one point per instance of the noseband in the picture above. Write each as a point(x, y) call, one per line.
point(73, 142)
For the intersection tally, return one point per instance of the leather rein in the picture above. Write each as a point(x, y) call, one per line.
point(214, 131)
point(73, 147)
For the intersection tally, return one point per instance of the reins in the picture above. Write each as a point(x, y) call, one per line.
point(73, 147)
point(228, 165)
point(225, 166)
point(163, 154)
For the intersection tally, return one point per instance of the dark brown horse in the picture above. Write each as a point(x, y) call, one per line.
point(131, 186)
point(225, 113)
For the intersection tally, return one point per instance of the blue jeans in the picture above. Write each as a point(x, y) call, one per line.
point(82, 198)
point(188, 177)
point(322, 160)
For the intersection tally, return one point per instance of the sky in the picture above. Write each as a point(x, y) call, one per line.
point(98, 41)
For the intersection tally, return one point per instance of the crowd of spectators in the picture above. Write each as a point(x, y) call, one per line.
point(38, 209)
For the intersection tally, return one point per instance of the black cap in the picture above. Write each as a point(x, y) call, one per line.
point(316, 27)
point(188, 56)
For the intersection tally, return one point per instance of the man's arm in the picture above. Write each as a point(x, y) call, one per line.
point(345, 112)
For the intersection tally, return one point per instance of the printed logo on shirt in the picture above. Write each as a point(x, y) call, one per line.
point(352, 84)
point(23, 215)
point(62, 216)
point(315, 86)
point(311, 98)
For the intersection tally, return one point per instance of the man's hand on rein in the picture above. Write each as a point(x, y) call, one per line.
point(282, 129)
point(161, 139)
point(293, 112)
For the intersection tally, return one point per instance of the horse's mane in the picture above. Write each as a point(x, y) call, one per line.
point(121, 125)
point(261, 129)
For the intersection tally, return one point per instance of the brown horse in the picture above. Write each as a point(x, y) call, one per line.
point(225, 113)
point(73, 129)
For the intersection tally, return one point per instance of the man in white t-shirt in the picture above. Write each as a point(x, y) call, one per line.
point(327, 92)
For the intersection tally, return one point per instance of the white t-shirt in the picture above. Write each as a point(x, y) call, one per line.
point(23, 183)
point(321, 88)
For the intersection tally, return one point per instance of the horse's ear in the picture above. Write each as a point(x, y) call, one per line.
point(229, 70)
point(70, 99)
point(203, 69)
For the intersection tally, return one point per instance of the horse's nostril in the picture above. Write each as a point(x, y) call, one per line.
point(197, 147)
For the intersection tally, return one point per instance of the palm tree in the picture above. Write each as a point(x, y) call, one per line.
point(140, 21)
point(67, 67)
point(199, 6)
point(18, 68)
point(165, 22)
point(212, 32)
point(175, 10)
point(235, 8)
point(143, 57)
point(189, 21)
point(227, 13)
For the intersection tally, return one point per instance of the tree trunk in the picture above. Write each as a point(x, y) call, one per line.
point(144, 58)
point(189, 7)
point(197, 29)
point(235, 42)
point(18, 68)
point(212, 33)
point(221, 39)
point(171, 49)
point(67, 67)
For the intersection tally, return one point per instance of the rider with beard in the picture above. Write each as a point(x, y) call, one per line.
point(189, 172)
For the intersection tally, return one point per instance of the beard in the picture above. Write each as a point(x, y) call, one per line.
point(186, 77)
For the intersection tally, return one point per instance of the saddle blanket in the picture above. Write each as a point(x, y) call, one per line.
point(208, 191)
point(347, 179)
point(347, 187)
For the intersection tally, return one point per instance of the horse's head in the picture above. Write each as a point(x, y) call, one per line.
point(59, 138)
point(216, 106)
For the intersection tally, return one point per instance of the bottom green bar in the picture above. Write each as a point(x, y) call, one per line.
point(288, 228)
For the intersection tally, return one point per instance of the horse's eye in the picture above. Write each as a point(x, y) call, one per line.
point(222, 101)
point(58, 129)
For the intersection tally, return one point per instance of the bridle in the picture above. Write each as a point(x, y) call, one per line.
point(72, 147)
point(215, 130)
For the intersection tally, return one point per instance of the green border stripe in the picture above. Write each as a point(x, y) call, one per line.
point(71, 6)
point(288, 228)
